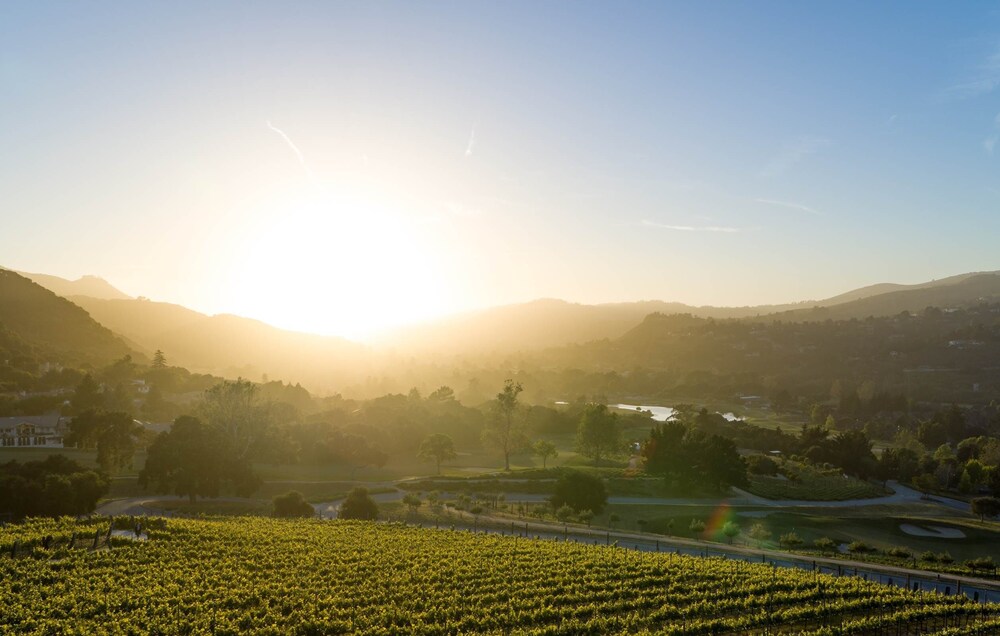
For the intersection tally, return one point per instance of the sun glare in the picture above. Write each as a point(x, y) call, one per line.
point(337, 263)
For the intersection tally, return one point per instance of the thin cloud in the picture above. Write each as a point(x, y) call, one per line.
point(295, 149)
point(985, 80)
point(790, 205)
point(472, 142)
point(792, 153)
point(692, 228)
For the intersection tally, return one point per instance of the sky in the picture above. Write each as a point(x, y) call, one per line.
point(342, 168)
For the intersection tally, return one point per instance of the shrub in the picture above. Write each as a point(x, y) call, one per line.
point(790, 540)
point(358, 505)
point(859, 547)
point(291, 504)
point(826, 544)
point(697, 526)
point(411, 501)
point(762, 465)
point(899, 552)
point(928, 556)
point(759, 532)
point(981, 563)
point(580, 491)
point(946, 558)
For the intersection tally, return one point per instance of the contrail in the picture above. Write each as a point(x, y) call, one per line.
point(472, 142)
point(298, 153)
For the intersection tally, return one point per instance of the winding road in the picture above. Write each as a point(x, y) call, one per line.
point(146, 506)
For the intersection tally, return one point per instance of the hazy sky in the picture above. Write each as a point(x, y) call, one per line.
point(339, 167)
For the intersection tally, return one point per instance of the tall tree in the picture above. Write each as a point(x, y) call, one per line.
point(87, 395)
point(193, 459)
point(544, 449)
point(690, 458)
point(437, 448)
point(184, 461)
point(597, 433)
point(159, 360)
point(117, 441)
point(235, 409)
point(506, 429)
point(114, 435)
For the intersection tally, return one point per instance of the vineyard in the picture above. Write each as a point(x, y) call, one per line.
point(262, 576)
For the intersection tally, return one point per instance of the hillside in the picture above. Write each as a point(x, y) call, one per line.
point(269, 576)
point(232, 345)
point(527, 326)
point(56, 329)
point(957, 291)
point(91, 286)
point(550, 323)
point(945, 356)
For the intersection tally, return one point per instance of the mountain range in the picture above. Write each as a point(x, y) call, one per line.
point(232, 345)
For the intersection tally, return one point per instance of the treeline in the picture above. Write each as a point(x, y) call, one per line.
point(53, 487)
point(692, 459)
point(936, 356)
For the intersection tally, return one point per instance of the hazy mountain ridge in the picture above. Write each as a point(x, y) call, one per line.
point(56, 329)
point(232, 345)
point(956, 291)
point(92, 286)
point(552, 323)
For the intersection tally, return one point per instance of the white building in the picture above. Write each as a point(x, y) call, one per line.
point(33, 431)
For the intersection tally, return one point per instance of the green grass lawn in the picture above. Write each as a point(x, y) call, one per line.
point(878, 526)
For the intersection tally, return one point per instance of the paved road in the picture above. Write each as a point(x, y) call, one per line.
point(146, 506)
point(901, 495)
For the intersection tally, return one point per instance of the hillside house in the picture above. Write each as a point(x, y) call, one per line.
point(38, 431)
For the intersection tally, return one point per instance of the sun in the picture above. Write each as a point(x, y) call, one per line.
point(337, 263)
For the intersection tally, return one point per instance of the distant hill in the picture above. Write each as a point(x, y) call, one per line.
point(56, 329)
point(552, 323)
point(91, 286)
point(533, 325)
point(232, 345)
point(956, 291)
point(939, 356)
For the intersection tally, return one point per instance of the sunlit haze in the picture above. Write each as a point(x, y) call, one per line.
point(342, 169)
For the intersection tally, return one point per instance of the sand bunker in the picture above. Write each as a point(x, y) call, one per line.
point(937, 532)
